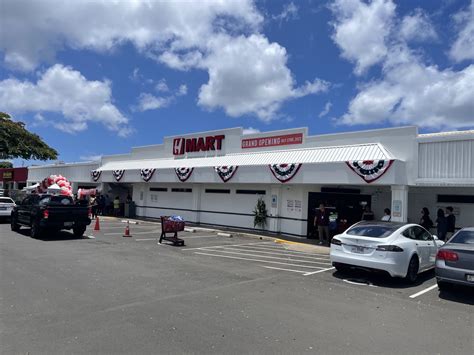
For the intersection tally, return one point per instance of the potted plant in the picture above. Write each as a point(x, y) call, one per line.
point(260, 214)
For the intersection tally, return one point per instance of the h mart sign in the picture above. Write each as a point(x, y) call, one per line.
point(200, 144)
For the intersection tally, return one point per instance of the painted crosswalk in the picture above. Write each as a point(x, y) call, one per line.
point(270, 256)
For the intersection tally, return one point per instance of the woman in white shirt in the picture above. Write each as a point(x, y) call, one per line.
point(387, 215)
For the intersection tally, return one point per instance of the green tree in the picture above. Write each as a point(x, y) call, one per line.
point(6, 164)
point(17, 142)
point(260, 214)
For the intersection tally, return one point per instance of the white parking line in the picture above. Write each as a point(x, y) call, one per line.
point(267, 257)
point(220, 246)
point(423, 291)
point(198, 236)
point(275, 253)
point(280, 268)
point(139, 240)
point(276, 248)
point(259, 261)
point(317, 272)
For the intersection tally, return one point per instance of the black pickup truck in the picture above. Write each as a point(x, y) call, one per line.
point(51, 213)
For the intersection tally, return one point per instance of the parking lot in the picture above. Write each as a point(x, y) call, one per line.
point(106, 293)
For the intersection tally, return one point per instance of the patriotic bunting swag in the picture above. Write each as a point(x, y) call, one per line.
point(95, 174)
point(183, 174)
point(370, 170)
point(118, 174)
point(284, 172)
point(226, 172)
point(147, 174)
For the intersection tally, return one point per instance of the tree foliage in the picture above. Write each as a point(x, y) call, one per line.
point(17, 142)
point(6, 164)
point(260, 214)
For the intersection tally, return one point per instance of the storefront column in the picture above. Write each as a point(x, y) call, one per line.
point(275, 209)
point(197, 202)
point(399, 203)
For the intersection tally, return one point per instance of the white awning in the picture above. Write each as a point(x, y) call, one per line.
point(373, 151)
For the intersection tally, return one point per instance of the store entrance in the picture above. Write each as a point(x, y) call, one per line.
point(345, 209)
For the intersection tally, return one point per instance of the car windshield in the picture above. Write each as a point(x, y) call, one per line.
point(6, 200)
point(373, 230)
point(463, 237)
point(56, 200)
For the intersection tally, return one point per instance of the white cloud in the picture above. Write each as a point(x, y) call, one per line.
point(64, 90)
point(37, 30)
point(182, 90)
point(463, 47)
point(412, 93)
point(250, 130)
point(162, 86)
point(289, 12)
point(148, 102)
point(417, 27)
point(325, 110)
point(248, 75)
point(361, 29)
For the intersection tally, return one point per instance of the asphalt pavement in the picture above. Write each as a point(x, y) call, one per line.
point(108, 294)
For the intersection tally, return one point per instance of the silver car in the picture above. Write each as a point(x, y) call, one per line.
point(455, 260)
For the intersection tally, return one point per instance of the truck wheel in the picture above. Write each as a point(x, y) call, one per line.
point(15, 227)
point(35, 231)
point(79, 231)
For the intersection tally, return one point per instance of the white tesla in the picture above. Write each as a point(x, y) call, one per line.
point(401, 250)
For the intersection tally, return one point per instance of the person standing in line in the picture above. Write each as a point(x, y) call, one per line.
point(441, 225)
point(451, 221)
point(367, 215)
point(425, 220)
point(321, 221)
point(116, 206)
point(101, 205)
point(387, 215)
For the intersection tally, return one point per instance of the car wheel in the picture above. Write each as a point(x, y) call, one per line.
point(78, 232)
point(340, 267)
point(412, 272)
point(15, 227)
point(35, 231)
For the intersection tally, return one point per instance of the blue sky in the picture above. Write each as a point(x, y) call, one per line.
point(96, 78)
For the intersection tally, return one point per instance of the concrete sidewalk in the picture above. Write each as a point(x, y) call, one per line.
point(294, 243)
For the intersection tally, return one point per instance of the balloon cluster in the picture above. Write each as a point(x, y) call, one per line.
point(81, 193)
point(61, 181)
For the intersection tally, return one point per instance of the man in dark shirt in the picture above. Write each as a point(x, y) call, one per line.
point(451, 222)
point(321, 221)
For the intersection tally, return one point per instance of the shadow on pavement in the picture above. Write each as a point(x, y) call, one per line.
point(382, 279)
point(459, 294)
point(51, 236)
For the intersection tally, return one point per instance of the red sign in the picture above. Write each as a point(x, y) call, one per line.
point(287, 139)
point(201, 144)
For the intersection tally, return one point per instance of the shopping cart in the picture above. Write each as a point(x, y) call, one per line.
point(171, 224)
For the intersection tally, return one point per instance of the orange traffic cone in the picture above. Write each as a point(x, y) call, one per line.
point(97, 225)
point(127, 230)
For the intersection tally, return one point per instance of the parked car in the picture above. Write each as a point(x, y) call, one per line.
point(401, 250)
point(52, 213)
point(455, 260)
point(6, 206)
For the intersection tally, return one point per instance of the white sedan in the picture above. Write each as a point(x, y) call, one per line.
point(401, 250)
point(6, 206)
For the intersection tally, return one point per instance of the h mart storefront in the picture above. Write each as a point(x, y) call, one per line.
point(215, 178)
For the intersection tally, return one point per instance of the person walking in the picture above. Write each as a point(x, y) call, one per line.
point(441, 225)
point(321, 222)
point(116, 206)
point(425, 220)
point(387, 215)
point(451, 221)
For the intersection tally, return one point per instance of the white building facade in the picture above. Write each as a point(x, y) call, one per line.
point(215, 178)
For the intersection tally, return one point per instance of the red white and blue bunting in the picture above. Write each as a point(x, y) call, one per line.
point(226, 172)
point(183, 174)
point(370, 170)
point(147, 174)
point(95, 174)
point(118, 174)
point(284, 172)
